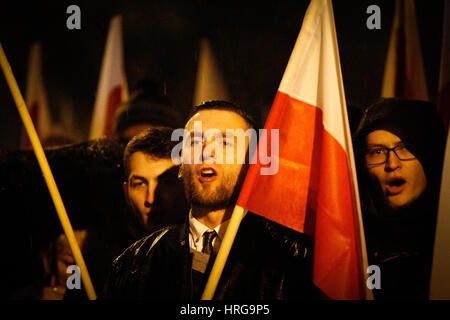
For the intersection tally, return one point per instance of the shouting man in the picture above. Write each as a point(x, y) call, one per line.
point(267, 261)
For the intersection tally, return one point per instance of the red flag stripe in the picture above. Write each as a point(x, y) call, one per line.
point(294, 146)
point(335, 238)
point(113, 103)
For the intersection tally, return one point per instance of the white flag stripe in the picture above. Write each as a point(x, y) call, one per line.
point(318, 81)
point(313, 75)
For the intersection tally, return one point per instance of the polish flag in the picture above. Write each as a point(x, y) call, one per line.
point(315, 189)
point(112, 87)
point(36, 97)
point(404, 74)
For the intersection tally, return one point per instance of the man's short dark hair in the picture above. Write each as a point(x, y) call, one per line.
point(155, 142)
point(224, 105)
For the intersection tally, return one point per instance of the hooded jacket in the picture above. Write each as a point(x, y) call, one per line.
point(401, 241)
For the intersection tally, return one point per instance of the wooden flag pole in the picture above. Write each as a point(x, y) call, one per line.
point(48, 176)
point(222, 256)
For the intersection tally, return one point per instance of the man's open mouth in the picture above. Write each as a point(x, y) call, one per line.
point(396, 182)
point(395, 185)
point(207, 174)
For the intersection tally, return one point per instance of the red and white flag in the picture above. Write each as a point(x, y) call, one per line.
point(404, 75)
point(444, 77)
point(36, 97)
point(112, 87)
point(315, 189)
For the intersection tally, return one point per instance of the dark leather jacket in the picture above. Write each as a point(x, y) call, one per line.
point(267, 261)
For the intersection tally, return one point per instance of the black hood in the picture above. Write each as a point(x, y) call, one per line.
point(418, 124)
point(401, 241)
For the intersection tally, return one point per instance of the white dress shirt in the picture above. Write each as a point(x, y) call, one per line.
point(197, 229)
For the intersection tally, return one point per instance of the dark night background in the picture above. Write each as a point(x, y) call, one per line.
point(252, 42)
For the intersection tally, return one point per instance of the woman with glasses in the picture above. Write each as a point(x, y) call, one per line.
point(399, 147)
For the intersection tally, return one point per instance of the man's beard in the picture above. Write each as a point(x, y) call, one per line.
point(212, 197)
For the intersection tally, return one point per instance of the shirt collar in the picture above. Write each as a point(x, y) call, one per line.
point(198, 229)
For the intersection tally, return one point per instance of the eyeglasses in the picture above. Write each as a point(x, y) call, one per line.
point(380, 155)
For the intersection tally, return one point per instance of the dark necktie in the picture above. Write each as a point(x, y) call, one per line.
point(208, 238)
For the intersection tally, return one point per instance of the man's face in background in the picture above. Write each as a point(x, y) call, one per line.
point(153, 191)
point(401, 182)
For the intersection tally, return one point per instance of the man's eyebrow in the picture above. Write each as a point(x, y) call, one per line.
point(137, 177)
point(229, 133)
point(371, 145)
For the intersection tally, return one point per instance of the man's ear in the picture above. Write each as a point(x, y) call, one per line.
point(125, 191)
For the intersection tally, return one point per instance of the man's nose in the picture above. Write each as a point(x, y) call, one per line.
point(392, 162)
point(209, 150)
point(150, 197)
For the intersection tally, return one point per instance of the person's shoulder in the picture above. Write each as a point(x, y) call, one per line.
point(289, 241)
point(142, 246)
point(129, 268)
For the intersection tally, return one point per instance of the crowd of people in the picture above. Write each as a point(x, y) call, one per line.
point(161, 231)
